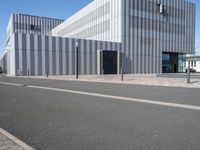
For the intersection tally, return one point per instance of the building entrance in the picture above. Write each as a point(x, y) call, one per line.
point(108, 62)
point(170, 62)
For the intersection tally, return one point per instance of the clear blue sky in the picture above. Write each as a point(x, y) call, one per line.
point(61, 9)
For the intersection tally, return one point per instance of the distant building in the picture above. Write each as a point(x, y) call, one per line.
point(141, 36)
point(193, 62)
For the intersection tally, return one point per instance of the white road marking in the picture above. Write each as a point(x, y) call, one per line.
point(14, 84)
point(176, 105)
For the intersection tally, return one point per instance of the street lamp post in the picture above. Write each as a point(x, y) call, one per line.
point(77, 59)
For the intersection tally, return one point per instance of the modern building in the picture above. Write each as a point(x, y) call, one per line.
point(141, 36)
point(193, 62)
point(3, 63)
point(19, 29)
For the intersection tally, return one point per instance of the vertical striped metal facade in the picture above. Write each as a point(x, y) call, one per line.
point(136, 28)
point(100, 20)
point(39, 53)
point(147, 33)
point(26, 24)
point(144, 32)
point(21, 23)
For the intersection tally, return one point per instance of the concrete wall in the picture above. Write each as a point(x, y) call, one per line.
point(37, 53)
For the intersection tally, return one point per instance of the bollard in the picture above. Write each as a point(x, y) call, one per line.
point(47, 72)
point(188, 75)
point(122, 75)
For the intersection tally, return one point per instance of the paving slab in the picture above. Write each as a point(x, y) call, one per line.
point(9, 142)
point(136, 79)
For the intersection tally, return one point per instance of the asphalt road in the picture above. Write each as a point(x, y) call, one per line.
point(55, 120)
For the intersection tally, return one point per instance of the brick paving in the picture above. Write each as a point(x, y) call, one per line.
point(9, 142)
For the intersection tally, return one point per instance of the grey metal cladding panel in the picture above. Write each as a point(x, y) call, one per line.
point(123, 25)
point(85, 57)
point(53, 55)
point(39, 55)
point(80, 56)
point(92, 57)
point(16, 52)
point(24, 54)
point(32, 49)
point(158, 46)
point(43, 55)
point(14, 19)
point(57, 56)
point(73, 55)
point(88, 57)
point(193, 26)
point(95, 57)
point(19, 25)
point(98, 45)
point(67, 55)
point(28, 53)
point(89, 60)
point(63, 55)
point(47, 53)
point(50, 56)
point(60, 57)
point(70, 56)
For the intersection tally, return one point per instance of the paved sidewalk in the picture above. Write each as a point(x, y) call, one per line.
point(9, 142)
point(137, 79)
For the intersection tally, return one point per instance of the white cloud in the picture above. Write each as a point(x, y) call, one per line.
point(197, 41)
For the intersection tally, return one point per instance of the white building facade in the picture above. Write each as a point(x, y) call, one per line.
point(193, 62)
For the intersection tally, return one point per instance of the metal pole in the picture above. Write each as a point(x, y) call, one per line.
point(122, 69)
point(77, 60)
point(47, 72)
point(122, 74)
point(188, 73)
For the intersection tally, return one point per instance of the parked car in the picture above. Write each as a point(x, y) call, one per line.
point(191, 70)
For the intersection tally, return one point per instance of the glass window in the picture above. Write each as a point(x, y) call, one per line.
point(182, 62)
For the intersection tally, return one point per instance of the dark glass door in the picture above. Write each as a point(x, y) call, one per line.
point(110, 62)
point(170, 62)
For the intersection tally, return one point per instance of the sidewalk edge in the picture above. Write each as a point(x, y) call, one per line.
point(16, 140)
